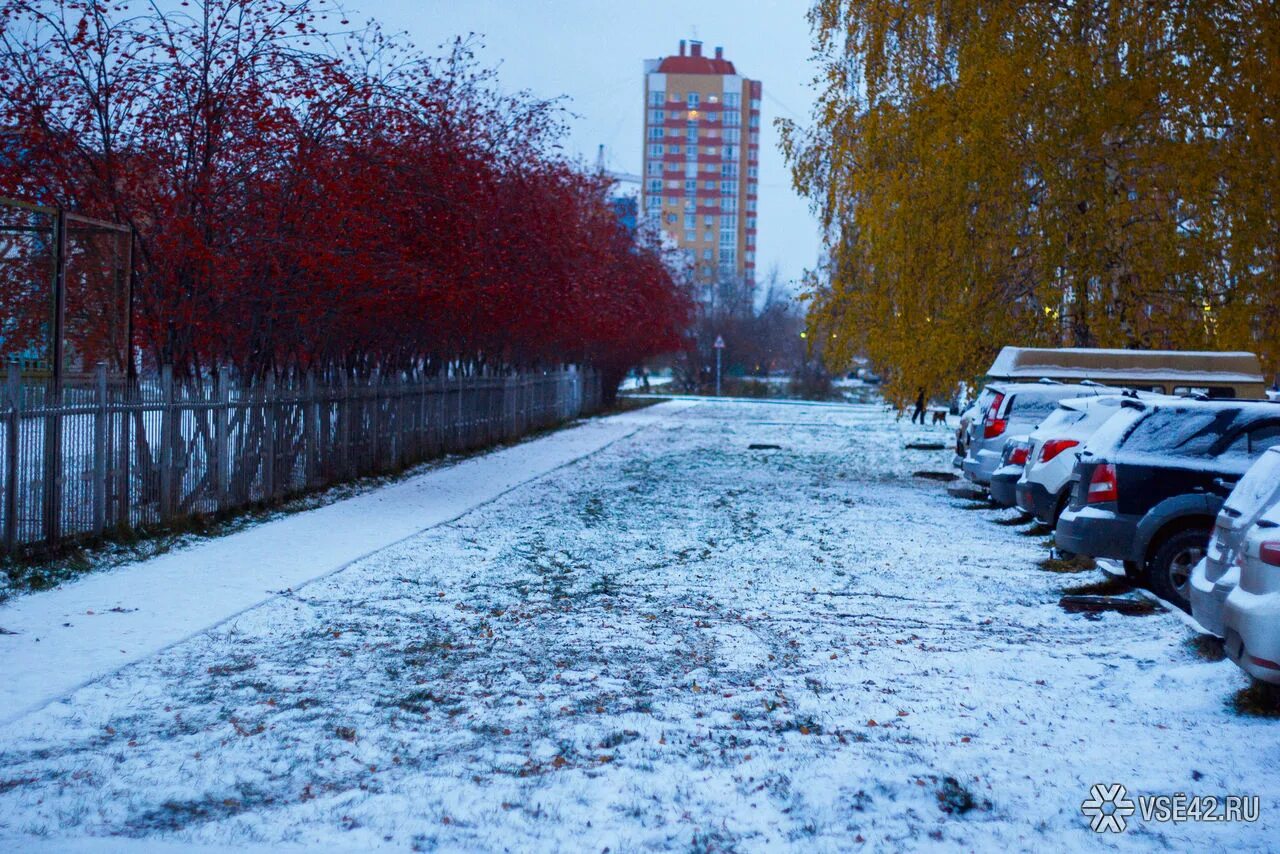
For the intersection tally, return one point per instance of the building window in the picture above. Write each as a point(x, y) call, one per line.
point(728, 238)
point(691, 136)
point(728, 170)
point(751, 223)
point(653, 204)
point(730, 152)
point(751, 204)
point(755, 104)
point(755, 139)
point(751, 257)
point(753, 188)
point(732, 135)
point(690, 221)
point(671, 218)
point(707, 254)
point(755, 120)
point(689, 206)
point(729, 222)
point(657, 97)
point(690, 237)
point(657, 117)
point(654, 168)
point(691, 186)
point(729, 203)
point(728, 256)
point(711, 185)
point(655, 150)
point(655, 186)
point(732, 99)
point(732, 118)
point(751, 238)
point(709, 236)
point(693, 100)
point(708, 220)
point(691, 170)
point(673, 149)
point(729, 188)
point(655, 133)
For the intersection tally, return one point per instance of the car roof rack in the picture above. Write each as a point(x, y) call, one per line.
point(1047, 381)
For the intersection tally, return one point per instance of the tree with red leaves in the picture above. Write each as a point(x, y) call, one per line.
point(305, 197)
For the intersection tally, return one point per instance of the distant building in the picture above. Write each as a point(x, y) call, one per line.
point(702, 161)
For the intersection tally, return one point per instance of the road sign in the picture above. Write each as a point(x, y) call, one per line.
point(719, 345)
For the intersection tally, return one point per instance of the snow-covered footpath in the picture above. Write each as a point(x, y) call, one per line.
point(674, 641)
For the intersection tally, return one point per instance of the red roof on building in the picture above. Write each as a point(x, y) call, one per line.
point(695, 62)
point(695, 65)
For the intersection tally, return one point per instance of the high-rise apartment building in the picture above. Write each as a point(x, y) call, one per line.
point(702, 161)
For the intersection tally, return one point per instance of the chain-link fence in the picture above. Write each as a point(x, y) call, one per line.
point(80, 459)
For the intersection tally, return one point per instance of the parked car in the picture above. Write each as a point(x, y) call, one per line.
point(1045, 483)
point(1251, 615)
point(1012, 409)
point(1004, 480)
point(1217, 574)
point(1151, 480)
point(970, 414)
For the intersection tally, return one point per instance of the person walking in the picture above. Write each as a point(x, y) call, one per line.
point(919, 413)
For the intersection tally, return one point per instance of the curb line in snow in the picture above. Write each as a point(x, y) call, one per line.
point(74, 635)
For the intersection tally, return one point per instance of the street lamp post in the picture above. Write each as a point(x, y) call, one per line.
point(719, 348)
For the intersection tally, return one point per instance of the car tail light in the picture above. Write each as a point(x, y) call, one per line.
point(1053, 447)
point(1269, 553)
point(992, 426)
point(1018, 455)
point(1103, 486)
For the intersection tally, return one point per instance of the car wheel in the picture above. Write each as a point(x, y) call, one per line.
point(1169, 568)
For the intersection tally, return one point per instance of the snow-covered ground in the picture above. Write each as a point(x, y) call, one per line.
point(675, 642)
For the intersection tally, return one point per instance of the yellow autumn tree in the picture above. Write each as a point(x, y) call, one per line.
point(1042, 173)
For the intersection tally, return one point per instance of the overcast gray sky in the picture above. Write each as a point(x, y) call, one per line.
point(592, 51)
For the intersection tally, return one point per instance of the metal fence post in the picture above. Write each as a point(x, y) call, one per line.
point(221, 441)
point(14, 395)
point(269, 438)
point(100, 451)
point(166, 442)
point(344, 425)
point(310, 434)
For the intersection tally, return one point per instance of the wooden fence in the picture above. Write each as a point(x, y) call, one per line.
point(78, 461)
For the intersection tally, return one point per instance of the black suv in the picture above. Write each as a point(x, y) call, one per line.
point(1151, 480)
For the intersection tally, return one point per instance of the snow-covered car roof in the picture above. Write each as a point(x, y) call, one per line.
point(1116, 366)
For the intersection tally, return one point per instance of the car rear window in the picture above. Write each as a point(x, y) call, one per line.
point(1060, 420)
point(1173, 430)
point(1038, 404)
point(1259, 484)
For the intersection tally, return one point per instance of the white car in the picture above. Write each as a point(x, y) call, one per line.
point(1251, 616)
point(1045, 484)
point(1217, 574)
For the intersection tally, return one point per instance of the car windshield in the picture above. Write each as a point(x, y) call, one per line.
point(1259, 485)
point(1184, 432)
